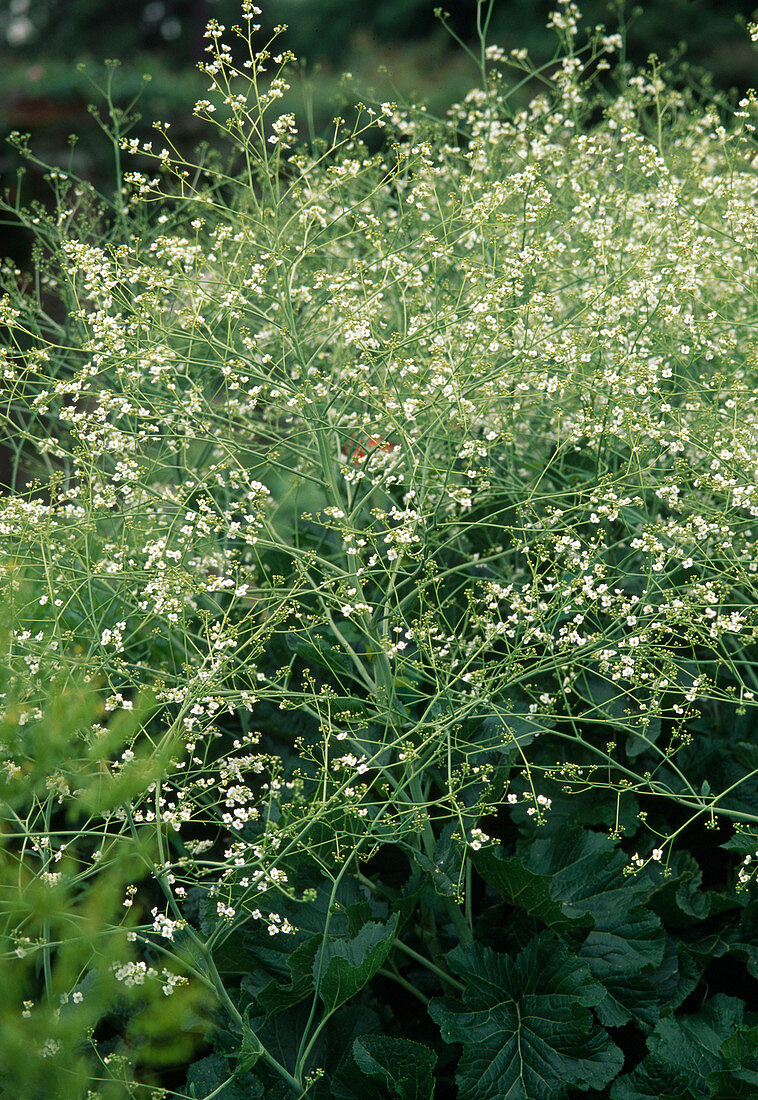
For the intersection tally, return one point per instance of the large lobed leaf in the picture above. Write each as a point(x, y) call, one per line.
point(525, 1024)
point(573, 881)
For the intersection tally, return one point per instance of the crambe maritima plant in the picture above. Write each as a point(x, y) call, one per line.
point(397, 511)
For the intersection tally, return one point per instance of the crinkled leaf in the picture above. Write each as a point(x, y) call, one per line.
point(737, 1085)
point(263, 959)
point(739, 1078)
point(624, 956)
point(605, 698)
point(259, 963)
point(710, 759)
point(683, 1052)
point(568, 811)
point(587, 871)
point(620, 709)
point(282, 1036)
point(447, 864)
point(746, 753)
point(525, 1024)
point(744, 939)
point(509, 930)
point(404, 1069)
point(707, 941)
point(505, 728)
point(675, 977)
point(677, 895)
point(344, 966)
point(741, 1048)
point(529, 890)
point(345, 1026)
point(251, 1047)
point(744, 841)
point(584, 872)
point(312, 647)
point(498, 738)
point(276, 996)
point(212, 1076)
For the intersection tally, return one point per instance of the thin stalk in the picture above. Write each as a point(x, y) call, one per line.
point(444, 977)
point(401, 981)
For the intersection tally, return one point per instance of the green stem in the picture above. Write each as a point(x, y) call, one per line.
point(395, 977)
point(429, 965)
point(305, 1048)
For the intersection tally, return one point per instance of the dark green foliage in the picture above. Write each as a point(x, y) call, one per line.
point(709, 1054)
point(525, 1024)
point(389, 1067)
point(569, 948)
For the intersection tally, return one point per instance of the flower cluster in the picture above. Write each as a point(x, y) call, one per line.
point(440, 453)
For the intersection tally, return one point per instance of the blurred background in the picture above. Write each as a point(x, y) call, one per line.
point(395, 48)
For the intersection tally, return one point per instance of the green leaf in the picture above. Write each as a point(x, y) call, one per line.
point(405, 1068)
point(744, 841)
point(626, 945)
point(445, 870)
point(683, 1052)
point(624, 956)
point(676, 976)
point(711, 759)
point(206, 1078)
point(587, 873)
point(746, 754)
point(260, 961)
point(525, 1024)
point(276, 996)
point(282, 1035)
point(250, 1048)
point(505, 729)
point(622, 709)
point(677, 895)
point(739, 1078)
point(740, 1048)
point(744, 938)
point(573, 881)
point(605, 698)
point(568, 811)
point(344, 966)
point(628, 997)
point(343, 1080)
point(528, 890)
point(264, 961)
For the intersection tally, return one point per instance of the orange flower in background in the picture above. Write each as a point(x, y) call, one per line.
point(358, 451)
